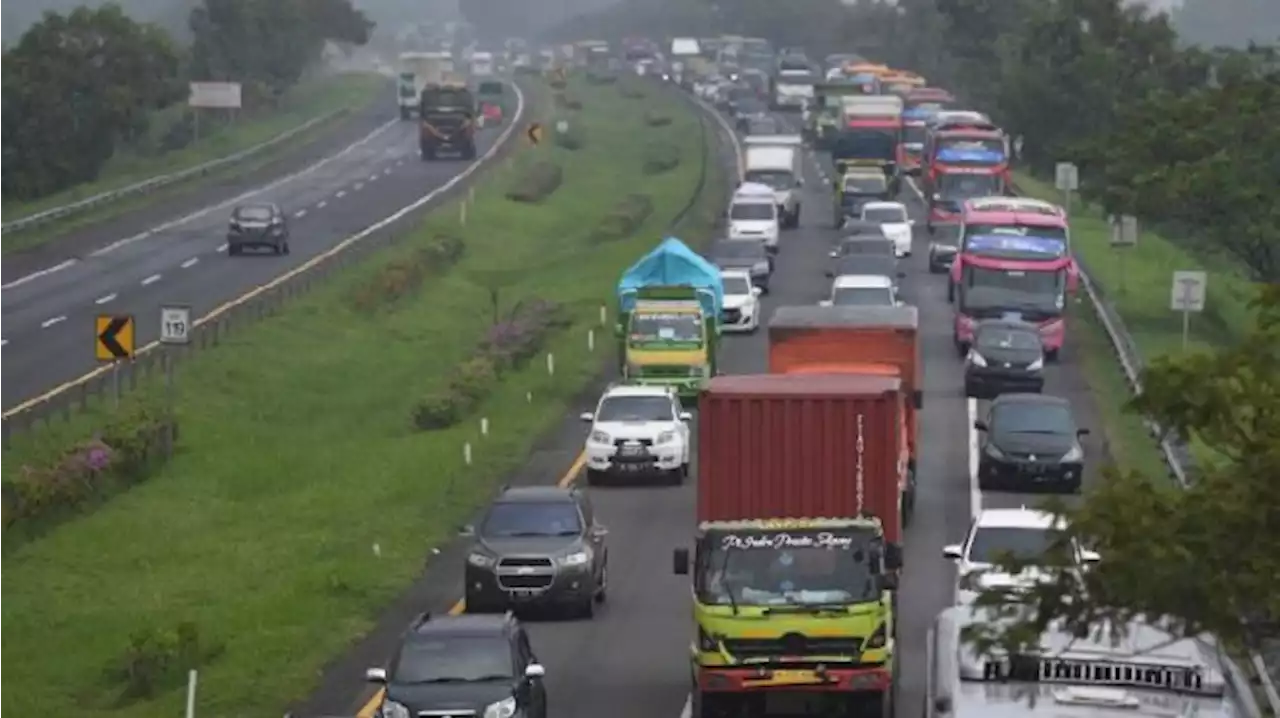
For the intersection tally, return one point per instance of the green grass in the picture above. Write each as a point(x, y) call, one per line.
point(307, 101)
point(297, 455)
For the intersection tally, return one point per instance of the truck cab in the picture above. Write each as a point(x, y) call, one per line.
point(447, 113)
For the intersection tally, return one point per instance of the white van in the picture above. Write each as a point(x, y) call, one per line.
point(753, 214)
point(775, 161)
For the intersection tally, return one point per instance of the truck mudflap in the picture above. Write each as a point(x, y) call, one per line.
point(822, 678)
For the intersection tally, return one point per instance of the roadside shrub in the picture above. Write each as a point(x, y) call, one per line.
point(654, 119)
point(157, 661)
point(601, 77)
point(404, 275)
point(574, 138)
point(557, 84)
point(632, 91)
point(128, 450)
point(661, 157)
point(538, 182)
point(508, 345)
point(627, 216)
point(566, 102)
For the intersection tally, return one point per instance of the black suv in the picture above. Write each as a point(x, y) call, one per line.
point(1030, 442)
point(537, 546)
point(261, 224)
point(471, 665)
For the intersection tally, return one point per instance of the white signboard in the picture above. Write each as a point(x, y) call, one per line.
point(221, 95)
point(175, 325)
point(1066, 177)
point(1188, 291)
point(1124, 231)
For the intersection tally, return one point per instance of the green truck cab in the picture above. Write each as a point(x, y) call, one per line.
point(822, 118)
point(668, 327)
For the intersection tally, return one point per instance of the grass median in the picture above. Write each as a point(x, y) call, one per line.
point(310, 99)
point(252, 553)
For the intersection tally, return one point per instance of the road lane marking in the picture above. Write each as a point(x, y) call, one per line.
point(54, 321)
point(306, 266)
point(222, 247)
point(340, 193)
point(373, 177)
point(300, 213)
point(371, 706)
point(36, 275)
point(105, 298)
point(151, 280)
point(359, 186)
point(189, 263)
point(387, 171)
point(4, 342)
point(322, 204)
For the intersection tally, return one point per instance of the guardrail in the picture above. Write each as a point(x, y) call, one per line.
point(159, 181)
point(1175, 453)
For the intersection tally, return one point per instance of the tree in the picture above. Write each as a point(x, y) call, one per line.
point(1195, 560)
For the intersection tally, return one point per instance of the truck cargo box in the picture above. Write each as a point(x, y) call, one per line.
point(801, 446)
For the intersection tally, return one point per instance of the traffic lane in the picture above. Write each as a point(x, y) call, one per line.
point(140, 256)
point(83, 240)
point(63, 351)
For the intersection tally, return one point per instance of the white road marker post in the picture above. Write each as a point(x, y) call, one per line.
point(191, 693)
point(466, 453)
point(591, 340)
point(551, 364)
point(484, 426)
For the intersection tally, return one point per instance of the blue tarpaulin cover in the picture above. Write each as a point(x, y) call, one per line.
point(673, 264)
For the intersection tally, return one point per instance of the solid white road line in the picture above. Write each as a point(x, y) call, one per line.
point(975, 493)
point(105, 298)
point(51, 322)
point(151, 280)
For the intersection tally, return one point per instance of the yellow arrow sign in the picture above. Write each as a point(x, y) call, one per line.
point(113, 337)
point(534, 133)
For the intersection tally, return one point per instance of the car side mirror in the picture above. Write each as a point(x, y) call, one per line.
point(756, 291)
point(937, 197)
point(680, 562)
point(686, 416)
point(824, 303)
point(911, 222)
point(587, 416)
point(893, 556)
point(467, 530)
point(953, 551)
point(375, 675)
point(599, 531)
point(980, 425)
point(1090, 556)
point(1082, 432)
point(534, 671)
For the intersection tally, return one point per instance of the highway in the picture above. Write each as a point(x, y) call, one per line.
point(48, 313)
point(631, 660)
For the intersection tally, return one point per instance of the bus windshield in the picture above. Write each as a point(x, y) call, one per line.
point(1015, 242)
point(1032, 296)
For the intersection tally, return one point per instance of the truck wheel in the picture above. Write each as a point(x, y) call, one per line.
point(405, 114)
point(594, 478)
point(469, 152)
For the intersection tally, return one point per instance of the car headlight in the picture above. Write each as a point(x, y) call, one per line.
point(578, 558)
point(480, 560)
point(665, 437)
point(1074, 454)
point(599, 437)
point(994, 451)
point(1036, 365)
point(504, 708)
point(391, 709)
point(977, 359)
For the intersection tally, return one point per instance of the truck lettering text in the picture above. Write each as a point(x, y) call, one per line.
point(782, 540)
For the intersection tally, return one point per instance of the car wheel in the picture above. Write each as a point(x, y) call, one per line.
point(675, 477)
point(594, 478)
point(233, 250)
point(602, 588)
point(970, 390)
point(586, 609)
point(962, 349)
point(286, 247)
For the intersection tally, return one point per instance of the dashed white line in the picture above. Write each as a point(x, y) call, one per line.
point(189, 263)
point(50, 322)
point(359, 186)
point(222, 247)
point(399, 162)
point(340, 193)
point(151, 280)
point(387, 171)
point(373, 177)
point(3, 342)
point(300, 213)
point(322, 204)
point(105, 298)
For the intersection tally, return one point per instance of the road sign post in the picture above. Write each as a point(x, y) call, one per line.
point(1066, 177)
point(1187, 295)
point(175, 331)
point(1124, 233)
point(113, 342)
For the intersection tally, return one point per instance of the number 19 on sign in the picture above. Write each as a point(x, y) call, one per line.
point(175, 325)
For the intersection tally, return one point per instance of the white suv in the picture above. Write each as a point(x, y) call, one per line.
point(638, 432)
point(1023, 533)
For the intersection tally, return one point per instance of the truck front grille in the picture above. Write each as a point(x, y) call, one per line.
point(793, 644)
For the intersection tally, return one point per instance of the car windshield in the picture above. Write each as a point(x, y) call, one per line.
point(965, 186)
point(885, 215)
point(991, 544)
point(736, 285)
point(665, 328)
point(1007, 338)
point(862, 297)
point(254, 214)
point(453, 659)
point(868, 247)
point(508, 519)
point(777, 179)
point(795, 568)
point(752, 211)
point(635, 408)
point(865, 184)
point(738, 249)
point(762, 126)
point(1031, 417)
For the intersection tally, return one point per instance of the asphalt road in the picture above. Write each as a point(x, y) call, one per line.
point(48, 317)
point(631, 660)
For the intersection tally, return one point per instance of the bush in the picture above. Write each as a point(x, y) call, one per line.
point(538, 182)
point(661, 157)
point(574, 138)
point(601, 77)
point(653, 119)
point(565, 102)
point(157, 661)
point(632, 91)
point(127, 451)
point(624, 219)
point(404, 275)
point(508, 345)
point(558, 84)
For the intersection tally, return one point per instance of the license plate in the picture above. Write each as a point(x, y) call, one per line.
point(523, 593)
point(786, 703)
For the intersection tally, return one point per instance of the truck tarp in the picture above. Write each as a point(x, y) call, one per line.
point(671, 264)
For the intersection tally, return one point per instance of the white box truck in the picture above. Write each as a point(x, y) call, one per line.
point(776, 161)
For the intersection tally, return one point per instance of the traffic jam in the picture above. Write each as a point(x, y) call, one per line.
point(806, 475)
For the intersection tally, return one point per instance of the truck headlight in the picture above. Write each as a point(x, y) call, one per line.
point(505, 708)
point(578, 558)
point(665, 437)
point(480, 560)
point(391, 709)
point(877, 639)
point(599, 437)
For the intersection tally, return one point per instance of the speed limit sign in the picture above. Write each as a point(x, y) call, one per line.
point(175, 325)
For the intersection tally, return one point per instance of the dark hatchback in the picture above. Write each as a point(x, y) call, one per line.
point(748, 254)
point(537, 546)
point(1030, 442)
point(867, 264)
point(260, 225)
point(481, 666)
point(1005, 356)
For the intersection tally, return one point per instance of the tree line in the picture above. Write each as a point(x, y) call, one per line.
point(79, 85)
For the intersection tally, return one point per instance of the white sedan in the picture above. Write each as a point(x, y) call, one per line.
point(894, 222)
point(741, 312)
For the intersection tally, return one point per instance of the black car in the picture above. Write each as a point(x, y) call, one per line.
point(748, 254)
point(857, 227)
point(537, 546)
point(463, 665)
point(941, 256)
point(867, 244)
point(1005, 356)
point(765, 125)
point(1029, 442)
point(867, 264)
point(262, 224)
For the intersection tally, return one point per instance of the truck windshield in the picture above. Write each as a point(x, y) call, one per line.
point(865, 143)
point(954, 186)
point(865, 184)
point(1016, 294)
point(777, 179)
point(789, 568)
point(665, 329)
